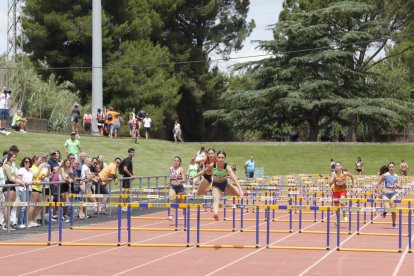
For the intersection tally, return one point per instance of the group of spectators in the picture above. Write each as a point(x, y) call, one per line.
point(50, 178)
point(109, 122)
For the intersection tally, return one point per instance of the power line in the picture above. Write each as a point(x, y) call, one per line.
point(217, 60)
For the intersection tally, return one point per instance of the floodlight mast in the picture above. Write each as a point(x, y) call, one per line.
point(97, 98)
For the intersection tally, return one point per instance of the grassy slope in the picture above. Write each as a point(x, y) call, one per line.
point(153, 157)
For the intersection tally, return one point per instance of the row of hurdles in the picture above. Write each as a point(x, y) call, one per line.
point(187, 209)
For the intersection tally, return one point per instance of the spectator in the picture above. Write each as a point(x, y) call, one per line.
point(126, 170)
point(100, 118)
point(75, 118)
point(201, 155)
point(110, 118)
point(131, 121)
point(5, 97)
point(116, 126)
point(106, 173)
point(87, 122)
point(24, 193)
point(147, 125)
point(177, 132)
point(2, 182)
point(73, 145)
point(404, 168)
point(19, 122)
point(249, 167)
point(101, 161)
point(332, 165)
point(358, 166)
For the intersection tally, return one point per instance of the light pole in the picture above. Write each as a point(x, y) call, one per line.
point(97, 98)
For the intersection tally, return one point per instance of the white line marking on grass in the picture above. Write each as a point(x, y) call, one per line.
point(332, 251)
point(259, 250)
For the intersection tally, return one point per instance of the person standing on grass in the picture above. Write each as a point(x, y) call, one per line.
point(220, 172)
point(5, 97)
point(177, 133)
point(177, 179)
point(100, 118)
point(358, 166)
point(87, 122)
point(404, 168)
point(126, 170)
point(339, 187)
point(75, 118)
point(386, 189)
point(147, 125)
point(249, 167)
point(72, 145)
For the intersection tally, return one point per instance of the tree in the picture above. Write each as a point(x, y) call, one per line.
point(319, 70)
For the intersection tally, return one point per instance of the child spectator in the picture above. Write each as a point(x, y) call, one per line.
point(87, 121)
point(19, 122)
point(100, 118)
point(75, 118)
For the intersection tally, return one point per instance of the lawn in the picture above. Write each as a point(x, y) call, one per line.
point(153, 157)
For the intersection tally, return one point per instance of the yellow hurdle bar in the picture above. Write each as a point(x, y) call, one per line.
point(154, 229)
point(27, 243)
point(159, 245)
point(297, 247)
point(323, 232)
point(214, 230)
point(218, 246)
point(381, 234)
point(264, 231)
point(95, 228)
point(370, 250)
point(89, 244)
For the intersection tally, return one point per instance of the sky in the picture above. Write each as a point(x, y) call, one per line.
point(264, 13)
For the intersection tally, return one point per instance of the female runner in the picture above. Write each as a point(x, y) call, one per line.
point(206, 173)
point(177, 179)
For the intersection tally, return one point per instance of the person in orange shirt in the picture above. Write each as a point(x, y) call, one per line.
point(105, 174)
point(110, 119)
point(338, 185)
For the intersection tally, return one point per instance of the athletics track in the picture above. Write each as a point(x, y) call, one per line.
point(132, 260)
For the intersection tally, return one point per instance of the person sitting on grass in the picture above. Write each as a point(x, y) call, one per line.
point(19, 122)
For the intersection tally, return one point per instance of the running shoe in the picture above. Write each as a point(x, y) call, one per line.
point(124, 209)
point(216, 217)
point(394, 226)
point(384, 214)
point(346, 219)
point(170, 217)
point(21, 226)
point(5, 228)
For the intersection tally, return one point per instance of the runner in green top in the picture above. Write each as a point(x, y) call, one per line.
point(192, 173)
point(220, 172)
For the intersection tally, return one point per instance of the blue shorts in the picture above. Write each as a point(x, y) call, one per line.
point(178, 189)
point(222, 186)
point(4, 114)
point(389, 195)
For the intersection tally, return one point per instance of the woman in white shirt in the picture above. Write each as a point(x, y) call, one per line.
point(25, 173)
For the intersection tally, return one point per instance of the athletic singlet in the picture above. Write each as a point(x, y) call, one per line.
point(219, 176)
point(390, 183)
point(175, 175)
point(192, 170)
point(339, 183)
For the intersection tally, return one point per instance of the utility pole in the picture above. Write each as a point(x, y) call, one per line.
point(14, 31)
point(97, 98)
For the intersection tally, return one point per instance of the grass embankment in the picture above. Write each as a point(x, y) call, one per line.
point(153, 157)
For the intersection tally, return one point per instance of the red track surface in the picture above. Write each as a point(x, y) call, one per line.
point(124, 260)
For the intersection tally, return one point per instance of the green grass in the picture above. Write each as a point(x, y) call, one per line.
point(154, 157)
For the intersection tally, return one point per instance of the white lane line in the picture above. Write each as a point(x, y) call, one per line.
point(332, 251)
point(401, 261)
point(259, 250)
point(187, 249)
point(94, 254)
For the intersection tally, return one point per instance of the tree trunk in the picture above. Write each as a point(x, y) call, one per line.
point(313, 131)
point(352, 129)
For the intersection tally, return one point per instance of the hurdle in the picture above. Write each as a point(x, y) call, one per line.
point(49, 227)
point(60, 228)
point(176, 206)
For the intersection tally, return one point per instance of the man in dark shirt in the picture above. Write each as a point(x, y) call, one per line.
point(127, 172)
